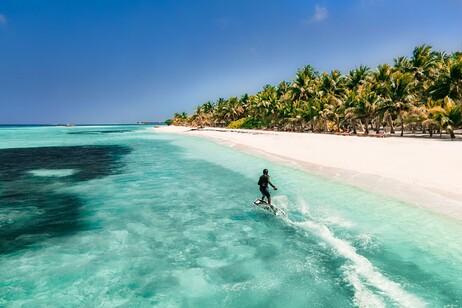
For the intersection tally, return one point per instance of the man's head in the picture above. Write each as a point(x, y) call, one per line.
point(265, 171)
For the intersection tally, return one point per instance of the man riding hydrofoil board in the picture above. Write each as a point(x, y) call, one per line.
point(263, 182)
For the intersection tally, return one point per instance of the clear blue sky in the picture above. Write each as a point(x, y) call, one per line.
point(101, 61)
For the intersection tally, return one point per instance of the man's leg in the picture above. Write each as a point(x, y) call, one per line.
point(269, 203)
point(263, 192)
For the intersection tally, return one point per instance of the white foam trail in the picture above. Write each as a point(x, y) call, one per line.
point(304, 208)
point(283, 202)
point(334, 220)
point(363, 296)
point(360, 270)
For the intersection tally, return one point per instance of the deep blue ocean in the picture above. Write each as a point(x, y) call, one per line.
point(124, 216)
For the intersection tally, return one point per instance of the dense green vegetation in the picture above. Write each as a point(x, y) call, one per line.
point(422, 93)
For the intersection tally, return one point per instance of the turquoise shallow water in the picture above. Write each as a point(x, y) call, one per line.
point(123, 216)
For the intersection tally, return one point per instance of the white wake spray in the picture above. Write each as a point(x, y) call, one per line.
point(359, 271)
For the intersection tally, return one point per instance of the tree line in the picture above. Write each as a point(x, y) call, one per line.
point(422, 93)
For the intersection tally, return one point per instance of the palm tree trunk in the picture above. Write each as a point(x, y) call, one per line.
point(366, 120)
point(353, 125)
point(362, 125)
point(390, 123)
point(401, 120)
point(377, 124)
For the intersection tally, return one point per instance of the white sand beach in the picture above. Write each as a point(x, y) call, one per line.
point(423, 172)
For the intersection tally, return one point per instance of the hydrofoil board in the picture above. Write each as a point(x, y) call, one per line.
point(264, 205)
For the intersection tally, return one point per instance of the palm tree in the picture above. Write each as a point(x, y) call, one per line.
point(423, 62)
point(203, 114)
point(450, 115)
point(454, 114)
point(358, 102)
point(367, 105)
point(284, 106)
point(416, 117)
point(435, 118)
point(219, 113)
point(233, 109)
point(255, 108)
point(381, 78)
point(262, 105)
point(303, 90)
point(443, 114)
point(244, 100)
point(449, 83)
point(403, 64)
point(331, 92)
point(177, 119)
point(302, 83)
point(268, 101)
point(358, 77)
point(400, 95)
point(180, 119)
point(380, 84)
point(349, 105)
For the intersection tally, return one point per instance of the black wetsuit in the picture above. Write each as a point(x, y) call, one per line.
point(263, 182)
